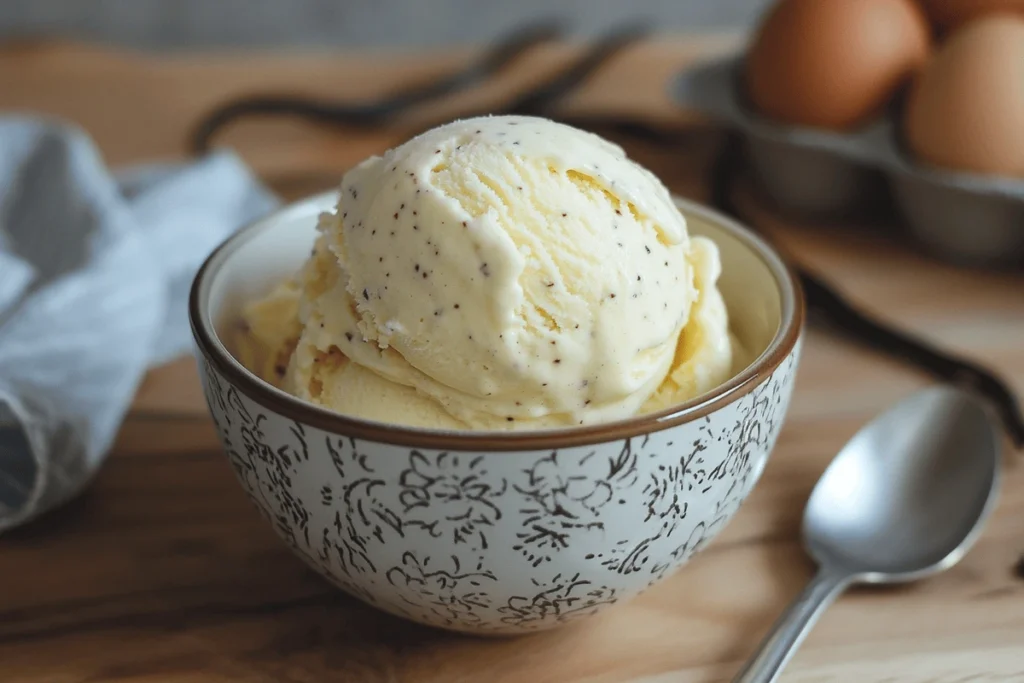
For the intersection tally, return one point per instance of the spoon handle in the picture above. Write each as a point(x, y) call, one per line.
point(792, 627)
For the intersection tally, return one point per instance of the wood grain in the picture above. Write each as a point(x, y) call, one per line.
point(163, 571)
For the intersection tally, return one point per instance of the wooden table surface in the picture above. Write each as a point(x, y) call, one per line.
point(163, 571)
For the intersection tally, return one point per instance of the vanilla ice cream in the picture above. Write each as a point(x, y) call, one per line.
point(500, 272)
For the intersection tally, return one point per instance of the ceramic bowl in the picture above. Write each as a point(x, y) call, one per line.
point(497, 533)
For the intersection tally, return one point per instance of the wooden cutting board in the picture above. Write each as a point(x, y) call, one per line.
point(163, 571)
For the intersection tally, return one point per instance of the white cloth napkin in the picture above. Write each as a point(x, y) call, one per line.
point(95, 269)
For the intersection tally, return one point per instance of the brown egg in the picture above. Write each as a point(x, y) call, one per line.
point(966, 109)
point(833, 63)
point(948, 15)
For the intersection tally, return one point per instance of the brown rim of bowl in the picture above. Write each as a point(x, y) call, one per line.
point(792, 315)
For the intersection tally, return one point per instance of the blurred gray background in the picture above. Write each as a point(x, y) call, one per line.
point(182, 24)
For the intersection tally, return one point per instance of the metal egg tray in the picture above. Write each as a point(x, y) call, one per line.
point(967, 218)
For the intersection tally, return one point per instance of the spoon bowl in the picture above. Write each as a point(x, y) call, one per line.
point(906, 497)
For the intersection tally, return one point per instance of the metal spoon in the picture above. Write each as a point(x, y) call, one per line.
point(904, 499)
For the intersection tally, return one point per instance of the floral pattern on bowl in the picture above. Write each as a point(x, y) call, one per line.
point(499, 541)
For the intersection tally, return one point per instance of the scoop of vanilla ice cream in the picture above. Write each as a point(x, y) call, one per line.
point(511, 268)
point(500, 273)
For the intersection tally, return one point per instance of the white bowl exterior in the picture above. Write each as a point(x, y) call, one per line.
point(499, 542)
